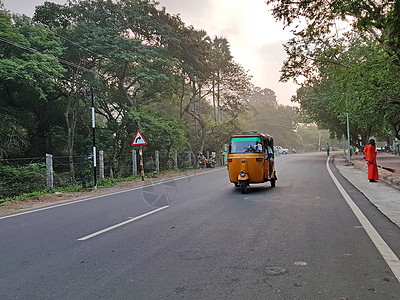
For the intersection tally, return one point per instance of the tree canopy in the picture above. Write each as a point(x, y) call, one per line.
point(145, 69)
point(346, 56)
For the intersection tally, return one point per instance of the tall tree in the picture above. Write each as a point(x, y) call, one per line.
point(116, 48)
point(29, 69)
point(363, 85)
point(221, 59)
point(364, 70)
point(379, 18)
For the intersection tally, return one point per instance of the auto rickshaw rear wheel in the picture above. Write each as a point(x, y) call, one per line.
point(243, 186)
point(273, 182)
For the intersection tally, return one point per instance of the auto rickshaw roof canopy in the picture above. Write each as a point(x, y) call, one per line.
point(262, 136)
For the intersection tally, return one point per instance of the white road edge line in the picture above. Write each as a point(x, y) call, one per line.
point(388, 255)
point(122, 224)
point(100, 196)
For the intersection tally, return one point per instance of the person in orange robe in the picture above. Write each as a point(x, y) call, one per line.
point(370, 156)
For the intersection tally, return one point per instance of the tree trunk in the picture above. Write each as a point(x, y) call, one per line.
point(182, 97)
point(396, 130)
point(218, 95)
point(71, 119)
point(213, 96)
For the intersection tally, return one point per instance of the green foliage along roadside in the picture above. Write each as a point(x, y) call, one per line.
point(147, 69)
point(348, 62)
point(17, 180)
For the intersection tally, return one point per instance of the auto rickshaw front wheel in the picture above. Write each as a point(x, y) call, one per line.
point(243, 186)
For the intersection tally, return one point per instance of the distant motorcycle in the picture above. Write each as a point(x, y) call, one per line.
point(205, 162)
point(210, 163)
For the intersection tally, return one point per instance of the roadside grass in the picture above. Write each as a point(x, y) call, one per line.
point(69, 189)
point(105, 183)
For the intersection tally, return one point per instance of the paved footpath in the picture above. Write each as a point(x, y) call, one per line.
point(385, 194)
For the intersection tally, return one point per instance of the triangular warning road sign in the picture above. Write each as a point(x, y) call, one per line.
point(139, 139)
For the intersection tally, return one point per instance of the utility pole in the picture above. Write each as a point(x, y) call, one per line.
point(94, 141)
point(218, 95)
point(348, 138)
point(319, 141)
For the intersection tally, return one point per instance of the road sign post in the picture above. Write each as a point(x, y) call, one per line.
point(134, 163)
point(140, 141)
point(141, 162)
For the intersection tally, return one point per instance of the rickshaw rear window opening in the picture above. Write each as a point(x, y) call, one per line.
point(246, 145)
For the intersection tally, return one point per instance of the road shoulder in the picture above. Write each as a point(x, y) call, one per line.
point(29, 203)
point(384, 196)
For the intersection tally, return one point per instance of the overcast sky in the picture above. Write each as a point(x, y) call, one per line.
point(255, 38)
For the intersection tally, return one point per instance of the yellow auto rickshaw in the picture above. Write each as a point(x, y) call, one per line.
point(251, 159)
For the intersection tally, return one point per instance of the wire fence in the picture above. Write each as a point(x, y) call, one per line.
point(26, 175)
point(19, 176)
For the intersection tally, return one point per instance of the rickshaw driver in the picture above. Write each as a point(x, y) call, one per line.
point(250, 148)
point(258, 147)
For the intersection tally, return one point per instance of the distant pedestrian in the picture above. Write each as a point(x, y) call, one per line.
point(201, 160)
point(370, 155)
point(328, 148)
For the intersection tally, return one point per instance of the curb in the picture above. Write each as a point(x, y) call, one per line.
point(384, 175)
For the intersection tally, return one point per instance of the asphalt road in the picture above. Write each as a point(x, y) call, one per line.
point(200, 238)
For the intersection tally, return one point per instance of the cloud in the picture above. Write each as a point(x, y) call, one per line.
point(255, 37)
point(256, 41)
point(27, 7)
point(267, 63)
point(192, 12)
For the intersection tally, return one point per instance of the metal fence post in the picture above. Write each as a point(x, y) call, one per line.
point(49, 171)
point(176, 160)
point(134, 162)
point(101, 164)
point(157, 161)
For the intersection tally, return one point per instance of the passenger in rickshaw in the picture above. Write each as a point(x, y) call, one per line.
point(258, 147)
point(269, 154)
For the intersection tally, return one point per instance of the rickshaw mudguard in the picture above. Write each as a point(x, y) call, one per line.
point(246, 177)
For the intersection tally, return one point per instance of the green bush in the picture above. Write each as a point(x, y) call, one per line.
point(16, 180)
